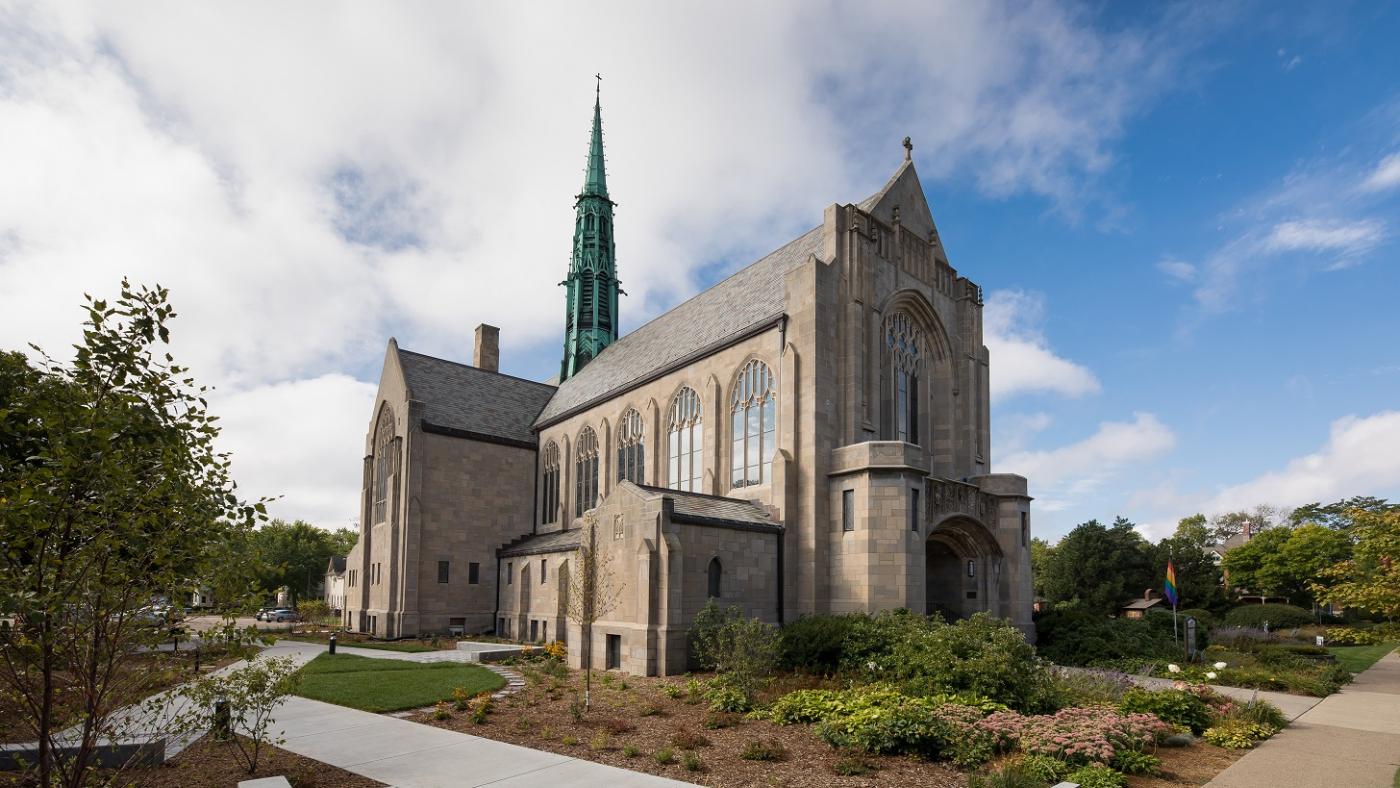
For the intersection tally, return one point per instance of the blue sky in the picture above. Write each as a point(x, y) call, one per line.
point(1184, 216)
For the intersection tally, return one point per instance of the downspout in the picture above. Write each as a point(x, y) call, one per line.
point(780, 578)
point(496, 616)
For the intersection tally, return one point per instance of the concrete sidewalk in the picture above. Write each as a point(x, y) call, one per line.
point(1348, 739)
point(409, 755)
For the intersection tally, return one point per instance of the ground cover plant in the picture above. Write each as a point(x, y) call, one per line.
point(380, 685)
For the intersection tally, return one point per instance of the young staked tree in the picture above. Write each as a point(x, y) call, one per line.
point(593, 592)
point(111, 494)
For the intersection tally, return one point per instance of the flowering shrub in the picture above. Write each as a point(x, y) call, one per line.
point(1176, 706)
point(1089, 735)
point(1238, 734)
point(556, 649)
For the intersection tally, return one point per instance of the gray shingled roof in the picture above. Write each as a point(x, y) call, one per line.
point(737, 304)
point(555, 542)
point(700, 508)
point(467, 399)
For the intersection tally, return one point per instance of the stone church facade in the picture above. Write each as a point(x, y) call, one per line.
point(809, 435)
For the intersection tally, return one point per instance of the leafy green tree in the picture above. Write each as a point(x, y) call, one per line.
point(1193, 530)
point(1042, 552)
point(252, 692)
point(1198, 577)
point(1341, 514)
point(295, 555)
point(1100, 567)
point(1370, 578)
point(111, 494)
point(1286, 561)
point(1260, 519)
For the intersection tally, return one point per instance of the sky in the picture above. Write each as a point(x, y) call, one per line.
point(1184, 216)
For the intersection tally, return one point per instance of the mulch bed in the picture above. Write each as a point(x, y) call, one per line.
point(643, 716)
point(211, 764)
point(540, 719)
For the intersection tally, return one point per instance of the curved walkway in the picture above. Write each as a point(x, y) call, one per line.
point(1348, 739)
point(410, 755)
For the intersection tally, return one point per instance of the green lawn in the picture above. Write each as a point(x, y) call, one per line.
point(380, 685)
point(1358, 658)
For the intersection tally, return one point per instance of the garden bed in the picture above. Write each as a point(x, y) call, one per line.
point(211, 764)
point(634, 718)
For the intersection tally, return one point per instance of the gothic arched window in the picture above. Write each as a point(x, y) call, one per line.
point(385, 462)
point(685, 439)
point(631, 448)
point(904, 348)
point(550, 463)
point(716, 573)
point(585, 471)
point(753, 414)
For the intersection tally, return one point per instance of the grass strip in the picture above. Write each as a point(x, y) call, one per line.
point(1359, 658)
point(379, 685)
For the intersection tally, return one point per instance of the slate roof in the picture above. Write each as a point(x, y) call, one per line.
point(701, 509)
point(469, 400)
point(337, 564)
point(748, 298)
point(555, 542)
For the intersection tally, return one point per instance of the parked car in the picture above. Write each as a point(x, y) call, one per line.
point(282, 614)
point(262, 614)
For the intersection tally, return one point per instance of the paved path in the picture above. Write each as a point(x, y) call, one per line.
point(1349, 739)
point(411, 755)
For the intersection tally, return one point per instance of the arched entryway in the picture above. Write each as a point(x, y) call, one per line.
point(962, 570)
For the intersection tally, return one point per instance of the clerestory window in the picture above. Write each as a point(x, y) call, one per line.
point(631, 448)
point(586, 472)
point(753, 414)
point(685, 443)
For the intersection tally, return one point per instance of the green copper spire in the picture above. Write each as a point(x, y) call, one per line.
point(590, 324)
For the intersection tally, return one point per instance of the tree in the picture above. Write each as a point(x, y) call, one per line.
point(593, 592)
point(1193, 530)
point(111, 495)
point(1262, 518)
point(1286, 561)
point(1340, 515)
point(1198, 577)
point(1100, 567)
point(1041, 556)
point(251, 693)
point(295, 555)
point(1370, 578)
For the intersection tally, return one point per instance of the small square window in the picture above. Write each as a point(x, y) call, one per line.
point(848, 510)
point(443, 570)
point(473, 573)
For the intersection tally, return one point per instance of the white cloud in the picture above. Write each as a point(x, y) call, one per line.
point(1342, 237)
point(1178, 270)
point(1022, 360)
point(1060, 476)
point(1359, 458)
point(309, 179)
point(1386, 175)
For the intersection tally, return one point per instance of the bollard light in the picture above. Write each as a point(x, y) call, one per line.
point(332, 644)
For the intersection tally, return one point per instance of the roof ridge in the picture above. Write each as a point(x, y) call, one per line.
point(705, 290)
point(668, 491)
point(475, 368)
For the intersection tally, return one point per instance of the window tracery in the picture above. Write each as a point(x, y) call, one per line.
point(385, 462)
point(753, 414)
point(550, 463)
point(631, 448)
point(904, 348)
point(685, 443)
point(585, 471)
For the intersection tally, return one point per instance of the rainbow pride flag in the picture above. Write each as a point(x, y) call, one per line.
point(1169, 587)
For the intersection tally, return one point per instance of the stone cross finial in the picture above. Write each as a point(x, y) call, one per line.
point(908, 149)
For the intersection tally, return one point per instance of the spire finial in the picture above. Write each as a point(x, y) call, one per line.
point(598, 89)
point(908, 149)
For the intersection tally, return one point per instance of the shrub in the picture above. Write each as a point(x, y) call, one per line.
point(690, 761)
point(630, 750)
point(554, 668)
point(461, 698)
point(617, 726)
point(815, 644)
point(568, 740)
point(650, 710)
point(1173, 706)
point(599, 742)
point(852, 766)
point(556, 649)
point(742, 650)
point(665, 756)
point(1261, 712)
point(1010, 775)
point(688, 740)
point(442, 710)
point(1237, 734)
point(1205, 620)
point(1134, 762)
point(672, 691)
point(1045, 768)
point(805, 706)
point(1277, 616)
point(728, 693)
point(1079, 637)
point(764, 750)
point(1080, 735)
point(1090, 687)
point(719, 719)
point(1097, 777)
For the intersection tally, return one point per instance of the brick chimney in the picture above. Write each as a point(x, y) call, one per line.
point(488, 348)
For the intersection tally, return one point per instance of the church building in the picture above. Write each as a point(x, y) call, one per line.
point(809, 435)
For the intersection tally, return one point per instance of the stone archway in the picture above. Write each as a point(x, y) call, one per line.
point(962, 565)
